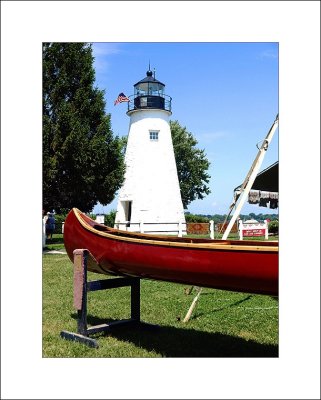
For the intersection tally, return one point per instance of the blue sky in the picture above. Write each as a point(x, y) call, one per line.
point(224, 93)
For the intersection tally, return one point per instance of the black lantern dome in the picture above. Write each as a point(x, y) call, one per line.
point(149, 94)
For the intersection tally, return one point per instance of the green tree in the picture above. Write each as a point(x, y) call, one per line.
point(196, 218)
point(192, 165)
point(109, 219)
point(274, 227)
point(83, 162)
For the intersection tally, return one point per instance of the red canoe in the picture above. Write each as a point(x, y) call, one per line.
point(237, 265)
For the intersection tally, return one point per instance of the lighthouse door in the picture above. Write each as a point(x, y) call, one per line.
point(128, 211)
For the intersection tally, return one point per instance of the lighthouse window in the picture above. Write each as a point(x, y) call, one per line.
point(143, 101)
point(153, 135)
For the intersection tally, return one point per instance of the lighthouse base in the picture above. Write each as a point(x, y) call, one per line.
point(154, 228)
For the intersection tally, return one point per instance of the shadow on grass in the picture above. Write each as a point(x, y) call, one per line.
point(56, 243)
point(236, 303)
point(55, 240)
point(169, 341)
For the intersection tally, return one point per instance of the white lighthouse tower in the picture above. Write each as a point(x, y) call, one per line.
point(150, 196)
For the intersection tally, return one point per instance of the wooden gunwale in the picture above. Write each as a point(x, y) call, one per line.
point(125, 236)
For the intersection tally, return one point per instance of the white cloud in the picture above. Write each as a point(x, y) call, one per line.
point(270, 53)
point(101, 51)
point(210, 136)
point(105, 49)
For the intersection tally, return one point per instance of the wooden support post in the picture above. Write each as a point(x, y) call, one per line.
point(82, 287)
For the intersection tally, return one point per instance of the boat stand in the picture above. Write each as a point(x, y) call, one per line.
point(82, 287)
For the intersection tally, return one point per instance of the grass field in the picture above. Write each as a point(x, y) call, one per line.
point(224, 324)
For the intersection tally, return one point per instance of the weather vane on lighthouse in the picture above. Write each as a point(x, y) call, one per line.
point(150, 193)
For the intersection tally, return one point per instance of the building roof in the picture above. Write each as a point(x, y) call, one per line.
point(267, 180)
point(149, 78)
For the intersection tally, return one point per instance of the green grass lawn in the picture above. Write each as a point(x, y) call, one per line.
point(223, 324)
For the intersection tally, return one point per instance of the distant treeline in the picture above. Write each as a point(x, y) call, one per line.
point(109, 218)
point(218, 218)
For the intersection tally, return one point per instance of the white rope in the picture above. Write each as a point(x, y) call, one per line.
point(249, 308)
point(257, 308)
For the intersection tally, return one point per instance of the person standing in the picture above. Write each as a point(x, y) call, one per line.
point(50, 225)
point(44, 219)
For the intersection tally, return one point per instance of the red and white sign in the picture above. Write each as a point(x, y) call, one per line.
point(253, 228)
point(253, 232)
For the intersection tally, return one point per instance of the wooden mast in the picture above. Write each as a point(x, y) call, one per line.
point(250, 178)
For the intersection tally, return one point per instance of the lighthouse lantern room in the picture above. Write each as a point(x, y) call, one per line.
point(150, 195)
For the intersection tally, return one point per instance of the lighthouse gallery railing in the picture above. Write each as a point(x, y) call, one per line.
point(144, 101)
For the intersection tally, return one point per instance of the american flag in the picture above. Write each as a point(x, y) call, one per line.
point(121, 98)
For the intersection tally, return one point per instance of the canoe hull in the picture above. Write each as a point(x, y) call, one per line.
point(242, 270)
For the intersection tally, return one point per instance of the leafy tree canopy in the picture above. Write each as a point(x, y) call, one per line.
point(192, 165)
point(82, 162)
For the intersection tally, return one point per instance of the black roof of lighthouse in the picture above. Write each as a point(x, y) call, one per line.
point(149, 78)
